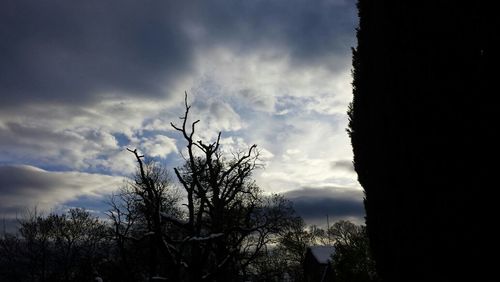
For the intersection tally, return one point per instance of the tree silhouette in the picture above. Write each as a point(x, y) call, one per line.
point(136, 221)
point(57, 247)
point(229, 222)
point(352, 261)
point(225, 223)
point(422, 130)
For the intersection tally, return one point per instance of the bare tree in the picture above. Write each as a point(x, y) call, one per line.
point(225, 222)
point(56, 247)
point(286, 258)
point(135, 213)
point(78, 238)
point(344, 232)
point(352, 260)
point(11, 258)
point(229, 221)
point(35, 232)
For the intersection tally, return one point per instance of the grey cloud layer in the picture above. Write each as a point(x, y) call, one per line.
point(84, 51)
point(74, 52)
point(24, 187)
point(314, 204)
point(43, 146)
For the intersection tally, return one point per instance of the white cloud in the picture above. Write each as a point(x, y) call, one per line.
point(305, 151)
point(257, 80)
point(215, 116)
point(220, 116)
point(158, 146)
point(86, 139)
point(119, 162)
point(297, 113)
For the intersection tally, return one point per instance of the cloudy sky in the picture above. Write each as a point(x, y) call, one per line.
point(80, 81)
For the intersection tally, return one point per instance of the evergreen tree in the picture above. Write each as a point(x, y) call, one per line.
point(422, 129)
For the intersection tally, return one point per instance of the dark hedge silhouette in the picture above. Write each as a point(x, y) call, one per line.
point(423, 131)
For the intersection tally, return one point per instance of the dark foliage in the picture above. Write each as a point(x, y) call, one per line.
point(424, 136)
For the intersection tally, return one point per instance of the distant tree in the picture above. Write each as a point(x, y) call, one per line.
point(12, 264)
point(78, 241)
point(352, 261)
point(343, 231)
point(56, 247)
point(135, 214)
point(35, 250)
point(291, 248)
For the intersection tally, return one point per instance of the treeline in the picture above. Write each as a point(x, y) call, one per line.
point(55, 247)
point(77, 246)
point(212, 224)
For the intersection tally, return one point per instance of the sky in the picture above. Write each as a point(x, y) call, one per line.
point(81, 81)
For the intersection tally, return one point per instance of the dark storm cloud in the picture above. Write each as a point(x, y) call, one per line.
point(20, 187)
point(314, 204)
point(76, 51)
point(73, 51)
point(25, 186)
point(28, 178)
